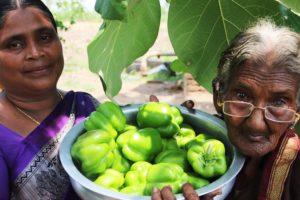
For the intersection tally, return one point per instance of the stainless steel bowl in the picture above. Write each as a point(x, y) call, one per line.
point(88, 190)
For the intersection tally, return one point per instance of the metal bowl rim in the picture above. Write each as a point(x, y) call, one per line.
point(67, 162)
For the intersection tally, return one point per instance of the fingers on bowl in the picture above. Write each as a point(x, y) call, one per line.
point(167, 193)
point(189, 192)
point(153, 98)
point(188, 104)
point(156, 194)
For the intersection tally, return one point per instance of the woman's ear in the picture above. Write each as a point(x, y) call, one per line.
point(216, 96)
point(217, 103)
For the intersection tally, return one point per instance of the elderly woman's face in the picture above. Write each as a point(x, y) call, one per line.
point(262, 86)
point(30, 51)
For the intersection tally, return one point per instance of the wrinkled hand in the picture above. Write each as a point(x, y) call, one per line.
point(188, 192)
point(153, 98)
point(166, 193)
point(189, 104)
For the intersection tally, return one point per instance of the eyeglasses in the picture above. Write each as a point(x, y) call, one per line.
point(272, 113)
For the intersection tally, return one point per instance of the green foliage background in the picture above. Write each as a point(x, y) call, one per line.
point(199, 31)
point(66, 12)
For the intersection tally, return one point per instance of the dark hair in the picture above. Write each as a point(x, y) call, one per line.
point(9, 5)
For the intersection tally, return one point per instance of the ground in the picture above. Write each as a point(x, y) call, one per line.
point(76, 75)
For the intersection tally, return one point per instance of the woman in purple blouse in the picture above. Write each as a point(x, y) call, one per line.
point(34, 114)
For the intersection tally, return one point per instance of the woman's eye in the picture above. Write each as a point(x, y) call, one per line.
point(46, 35)
point(279, 103)
point(15, 45)
point(45, 38)
point(241, 96)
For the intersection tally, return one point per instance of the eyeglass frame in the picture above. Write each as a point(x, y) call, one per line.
point(296, 115)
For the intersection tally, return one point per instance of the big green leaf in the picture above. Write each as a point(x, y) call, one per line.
point(112, 9)
point(294, 5)
point(200, 30)
point(120, 43)
point(290, 18)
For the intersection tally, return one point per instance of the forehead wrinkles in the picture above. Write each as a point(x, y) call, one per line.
point(266, 77)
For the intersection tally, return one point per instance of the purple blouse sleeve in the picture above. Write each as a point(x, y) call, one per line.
point(4, 182)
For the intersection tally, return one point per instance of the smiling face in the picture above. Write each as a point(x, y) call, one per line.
point(31, 58)
point(262, 86)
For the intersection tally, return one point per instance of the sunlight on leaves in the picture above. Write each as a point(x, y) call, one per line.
point(112, 9)
point(294, 5)
point(201, 29)
point(120, 43)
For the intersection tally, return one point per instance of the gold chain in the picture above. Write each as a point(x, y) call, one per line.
point(30, 117)
point(27, 115)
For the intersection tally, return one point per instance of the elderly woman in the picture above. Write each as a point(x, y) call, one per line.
point(257, 93)
point(34, 114)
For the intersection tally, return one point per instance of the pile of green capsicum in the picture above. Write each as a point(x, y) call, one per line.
point(159, 149)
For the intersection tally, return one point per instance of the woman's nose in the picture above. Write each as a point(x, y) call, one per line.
point(33, 50)
point(257, 119)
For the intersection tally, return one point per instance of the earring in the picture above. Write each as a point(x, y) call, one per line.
point(292, 126)
point(220, 115)
point(218, 102)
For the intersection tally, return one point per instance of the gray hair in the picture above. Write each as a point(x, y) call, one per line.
point(261, 43)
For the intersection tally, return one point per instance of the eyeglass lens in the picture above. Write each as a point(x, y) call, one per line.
point(240, 109)
point(244, 109)
point(279, 114)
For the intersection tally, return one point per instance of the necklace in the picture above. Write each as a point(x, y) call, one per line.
point(27, 115)
point(30, 117)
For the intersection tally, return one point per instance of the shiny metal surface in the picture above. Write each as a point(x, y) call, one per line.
point(201, 122)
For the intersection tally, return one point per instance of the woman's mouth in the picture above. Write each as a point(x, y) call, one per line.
point(38, 71)
point(256, 138)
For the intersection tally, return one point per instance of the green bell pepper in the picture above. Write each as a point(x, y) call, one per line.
point(120, 163)
point(165, 118)
point(208, 159)
point(169, 143)
point(122, 139)
point(135, 178)
point(177, 156)
point(197, 140)
point(114, 114)
point(111, 179)
point(185, 135)
point(141, 145)
point(129, 127)
point(97, 120)
point(165, 174)
point(196, 181)
point(137, 173)
point(93, 152)
point(134, 189)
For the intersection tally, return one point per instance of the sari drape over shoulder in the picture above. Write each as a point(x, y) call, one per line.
point(278, 179)
point(278, 166)
point(30, 167)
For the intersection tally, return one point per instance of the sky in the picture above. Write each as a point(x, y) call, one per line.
point(88, 4)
